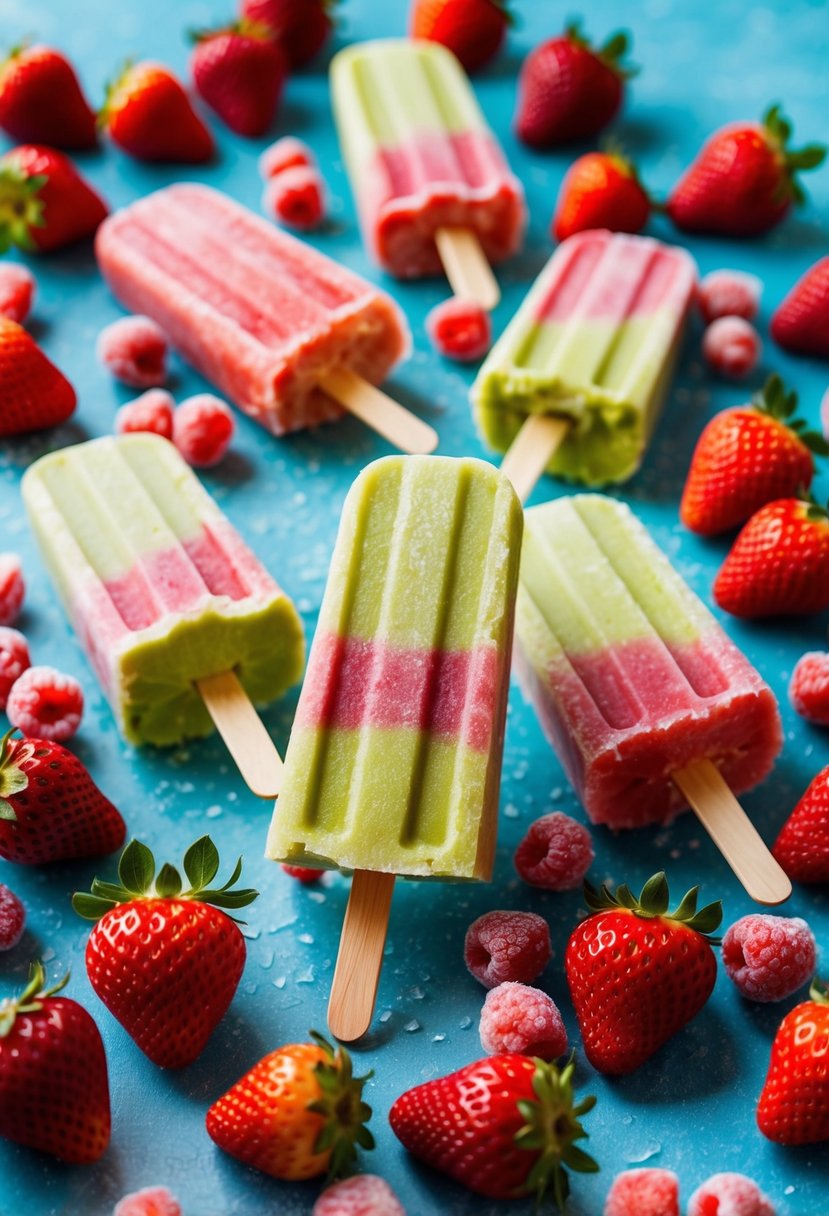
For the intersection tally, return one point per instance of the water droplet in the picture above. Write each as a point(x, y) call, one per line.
point(511, 811)
point(651, 1149)
point(306, 977)
point(465, 1023)
point(266, 962)
point(252, 934)
point(438, 1038)
point(213, 812)
point(307, 939)
point(279, 982)
point(412, 1026)
point(385, 1015)
point(316, 897)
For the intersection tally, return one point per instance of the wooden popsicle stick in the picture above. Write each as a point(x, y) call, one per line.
point(384, 415)
point(243, 731)
point(733, 832)
point(531, 451)
point(467, 267)
point(357, 974)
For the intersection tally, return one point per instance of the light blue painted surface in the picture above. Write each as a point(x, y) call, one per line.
point(690, 1109)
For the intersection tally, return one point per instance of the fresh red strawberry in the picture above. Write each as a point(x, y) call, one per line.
point(166, 962)
point(296, 1114)
point(567, 90)
point(240, 72)
point(637, 972)
point(33, 393)
point(809, 687)
point(794, 1104)
point(504, 1127)
point(779, 563)
point(148, 114)
point(44, 202)
point(41, 101)
point(746, 457)
point(743, 182)
point(802, 848)
point(50, 808)
point(301, 27)
point(601, 190)
point(54, 1092)
point(472, 29)
point(801, 322)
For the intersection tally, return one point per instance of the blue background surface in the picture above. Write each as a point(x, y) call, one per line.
point(689, 1109)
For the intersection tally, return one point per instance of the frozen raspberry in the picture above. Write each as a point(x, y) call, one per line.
point(730, 1195)
point(152, 411)
point(518, 1018)
point(286, 153)
point(14, 659)
point(12, 918)
point(556, 853)
point(769, 957)
point(134, 350)
point(303, 874)
point(729, 293)
point(17, 291)
point(363, 1195)
point(809, 687)
point(460, 330)
point(645, 1192)
point(296, 198)
point(731, 346)
point(153, 1201)
point(46, 704)
point(12, 588)
point(502, 946)
point(202, 430)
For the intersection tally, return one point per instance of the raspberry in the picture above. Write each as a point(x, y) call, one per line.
point(729, 293)
point(730, 1195)
point(556, 853)
point(286, 153)
point(12, 919)
point(460, 330)
point(152, 1201)
point(12, 588)
point(503, 946)
point(809, 687)
point(152, 411)
point(363, 1195)
point(295, 198)
point(17, 291)
point(518, 1018)
point(645, 1192)
point(14, 659)
point(46, 704)
point(731, 346)
point(134, 350)
point(769, 957)
point(303, 874)
point(202, 430)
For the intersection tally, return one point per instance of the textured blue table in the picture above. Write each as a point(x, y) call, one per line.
point(691, 1108)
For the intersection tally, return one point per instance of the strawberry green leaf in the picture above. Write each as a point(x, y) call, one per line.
point(654, 897)
point(136, 869)
point(819, 992)
point(201, 863)
point(168, 882)
point(91, 907)
point(7, 811)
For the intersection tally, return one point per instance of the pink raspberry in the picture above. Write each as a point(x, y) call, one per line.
point(460, 330)
point(152, 411)
point(17, 291)
point(134, 350)
point(12, 919)
point(303, 874)
point(296, 198)
point(152, 1201)
point(503, 946)
point(202, 429)
point(363, 1195)
point(286, 153)
point(556, 853)
point(809, 687)
point(769, 957)
point(732, 347)
point(12, 588)
point(729, 293)
point(45, 704)
point(730, 1195)
point(645, 1192)
point(14, 659)
point(518, 1018)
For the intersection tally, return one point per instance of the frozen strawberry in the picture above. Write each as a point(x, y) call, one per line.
point(769, 957)
point(732, 347)
point(134, 351)
point(503, 946)
point(729, 293)
point(363, 1195)
point(152, 411)
point(286, 153)
point(12, 919)
point(295, 197)
point(730, 1195)
point(517, 1018)
point(556, 853)
point(14, 659)
point(46, 703)
point(152, 1201)
point(17, 291)
point(809, 687)
point(644, 1192)
point(203, 427)
point(460, 330)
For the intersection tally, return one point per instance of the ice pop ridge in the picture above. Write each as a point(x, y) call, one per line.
point(631, 676)
point(157, 583)
point(260, 314)
point(395, 756)
point(420, 155)
point(595, 341)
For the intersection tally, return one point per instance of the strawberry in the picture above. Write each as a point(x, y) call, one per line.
point(33, 393)
point(148, 114)
point(748, 456)
point(808, 687)
point(41, 101)
point(54, 1092)
point(794, 1104)
point(802, 847)
point(743, 182)
point(504, 1127)
point(601, 190)
point(567, 90)
point(779, 563)
point(44, 202)
point(165, 962)
point(300, 26)
point(296, 1114)
point(50, 808)
point(472, 29)
point(801, 322)
point(240, 72)
point(638, 973)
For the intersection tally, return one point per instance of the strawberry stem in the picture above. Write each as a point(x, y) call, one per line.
point(30, 999)
point(342, 1107)
point(553, 1124)
point(653, 902)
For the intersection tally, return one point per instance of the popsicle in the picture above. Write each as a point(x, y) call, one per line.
point(179, 619)
point(577, 380)
point(291, 337)
point(431, 183)
point(394, 761)
point(646, 701)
